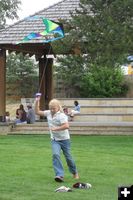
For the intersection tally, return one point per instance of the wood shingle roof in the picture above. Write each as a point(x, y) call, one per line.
point(17, 31)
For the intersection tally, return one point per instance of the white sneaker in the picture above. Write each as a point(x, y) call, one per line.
point(63, 189)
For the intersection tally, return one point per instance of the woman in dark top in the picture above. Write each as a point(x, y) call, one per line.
point(20, 114)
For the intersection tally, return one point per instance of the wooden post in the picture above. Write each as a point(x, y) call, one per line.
point(45, 81)
point(42, 69)
point(49, 81)
point(2, 85)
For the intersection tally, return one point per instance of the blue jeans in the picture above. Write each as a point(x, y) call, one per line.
point(63, 145)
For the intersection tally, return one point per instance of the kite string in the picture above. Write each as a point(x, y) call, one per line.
point(44, 70)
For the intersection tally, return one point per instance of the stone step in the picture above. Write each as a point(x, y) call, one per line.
point(88, 101)
point(98, 116)
point(105, 109)
point(104, 117)
point(83, 128)
point(98, 101)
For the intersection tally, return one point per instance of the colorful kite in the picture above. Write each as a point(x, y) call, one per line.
point(53, 31)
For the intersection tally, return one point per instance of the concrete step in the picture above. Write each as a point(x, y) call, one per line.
point(82, 128)
point(98, 101)
point(103, 118)
point(88, 101)
point(98, 116)
point(105, 109)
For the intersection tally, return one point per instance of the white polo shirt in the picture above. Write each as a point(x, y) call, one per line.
point(58, 119)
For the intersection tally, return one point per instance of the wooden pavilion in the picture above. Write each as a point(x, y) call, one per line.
point(10, 36)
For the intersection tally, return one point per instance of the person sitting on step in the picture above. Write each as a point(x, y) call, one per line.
point(21, 115)
point(74, 111)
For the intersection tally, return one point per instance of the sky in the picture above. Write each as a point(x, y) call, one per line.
point(29, 7)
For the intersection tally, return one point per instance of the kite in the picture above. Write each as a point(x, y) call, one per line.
point(53, 31)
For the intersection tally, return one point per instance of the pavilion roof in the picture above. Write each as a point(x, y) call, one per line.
point(16, 32)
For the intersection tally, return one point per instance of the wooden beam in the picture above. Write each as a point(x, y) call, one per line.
point(38, 49)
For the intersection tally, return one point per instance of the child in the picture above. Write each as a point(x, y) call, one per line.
point(65, 110)
point(75, 111)
point(60, 138)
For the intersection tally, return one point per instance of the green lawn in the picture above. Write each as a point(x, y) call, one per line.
point(26, 171)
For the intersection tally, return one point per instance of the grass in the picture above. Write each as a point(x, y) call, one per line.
point(26, 171)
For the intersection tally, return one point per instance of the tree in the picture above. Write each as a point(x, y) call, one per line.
point(106, 26)
point(103, 82)
point(22, 76)
point(8, 9)
point(70, 70)
point(102, 31)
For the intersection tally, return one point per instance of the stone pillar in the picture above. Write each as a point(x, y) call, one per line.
point(2, 85)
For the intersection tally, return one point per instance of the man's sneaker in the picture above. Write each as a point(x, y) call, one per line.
point(76, 176)
point(82, 185)
point(59, 179)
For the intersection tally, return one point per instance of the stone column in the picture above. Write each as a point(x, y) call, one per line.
point(2, 85)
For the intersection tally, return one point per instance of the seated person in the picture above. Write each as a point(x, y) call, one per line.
point(21, 115)
point(30, 115)
point(75, 111)
point(65, 110)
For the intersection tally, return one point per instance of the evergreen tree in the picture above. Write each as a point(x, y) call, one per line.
point(106, 28)
point(101, 31)
point(22, 76)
